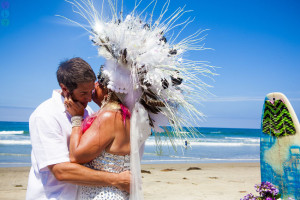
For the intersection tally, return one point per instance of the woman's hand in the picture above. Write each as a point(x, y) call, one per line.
point(124, 181)
point(74, 108)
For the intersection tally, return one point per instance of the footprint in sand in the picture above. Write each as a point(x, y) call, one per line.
point(168, 170)
point(193, 168)
point(18, 185)
point(145, 171)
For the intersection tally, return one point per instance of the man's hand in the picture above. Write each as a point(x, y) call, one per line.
point(124, 181)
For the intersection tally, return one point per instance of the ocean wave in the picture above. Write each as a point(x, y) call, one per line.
point(13, 154)
point(210, 142)
point(203, 160)
point(14, 163)
point(19, 142)
point(244, 139)
point(216, 132)
point(11, 132)
point(222, 144)
point(206, 159)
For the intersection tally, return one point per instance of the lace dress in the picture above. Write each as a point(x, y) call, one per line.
point(110, 163)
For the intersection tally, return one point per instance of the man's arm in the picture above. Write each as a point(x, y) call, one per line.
point(80, 175)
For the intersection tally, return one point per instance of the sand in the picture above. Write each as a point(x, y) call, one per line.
point(228, 181)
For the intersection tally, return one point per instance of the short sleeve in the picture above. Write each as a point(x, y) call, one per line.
point(89, 111)
point(49, 144)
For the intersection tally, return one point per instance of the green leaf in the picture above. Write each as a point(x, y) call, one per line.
point(277, 196)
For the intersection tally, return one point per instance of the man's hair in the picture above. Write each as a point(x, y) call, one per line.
point(74, 71)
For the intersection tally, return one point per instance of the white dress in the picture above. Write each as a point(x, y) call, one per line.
point(110, 163)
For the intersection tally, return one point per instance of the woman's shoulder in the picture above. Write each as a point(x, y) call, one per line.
point(108, 115)
point(114, 113)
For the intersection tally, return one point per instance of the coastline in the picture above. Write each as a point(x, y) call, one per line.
point(203, 181)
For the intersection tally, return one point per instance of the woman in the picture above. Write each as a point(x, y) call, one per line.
point(102, 142)
point(150, 75)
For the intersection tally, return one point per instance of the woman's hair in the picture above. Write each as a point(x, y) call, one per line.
point(114, 97)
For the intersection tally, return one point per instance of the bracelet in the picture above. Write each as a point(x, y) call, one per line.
point(76, 121)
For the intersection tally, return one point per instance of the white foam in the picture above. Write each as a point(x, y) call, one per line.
point(13, 154)
point(233, 159)
point(244, 139)
point(206, 143)
point(221, 144)
point(20, 142)
point(204, 160)
point(24, 163)
point(11, 132)
point(216, 132)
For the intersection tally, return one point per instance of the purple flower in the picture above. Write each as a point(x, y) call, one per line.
point(266, 189)
point(249, 197)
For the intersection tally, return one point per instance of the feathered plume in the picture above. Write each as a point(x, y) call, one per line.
point(144, 61)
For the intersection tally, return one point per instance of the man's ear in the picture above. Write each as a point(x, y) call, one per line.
point(65, 90)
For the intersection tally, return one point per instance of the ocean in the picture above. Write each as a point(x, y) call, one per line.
point(213, 145)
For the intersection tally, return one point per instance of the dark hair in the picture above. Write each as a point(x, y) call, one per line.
point(74, 71)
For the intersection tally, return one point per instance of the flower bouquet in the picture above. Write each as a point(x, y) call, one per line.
point(267, 191)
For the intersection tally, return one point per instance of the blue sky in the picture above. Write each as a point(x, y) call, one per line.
point(256, 49)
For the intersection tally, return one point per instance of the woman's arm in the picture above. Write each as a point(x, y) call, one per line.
point(85, 147)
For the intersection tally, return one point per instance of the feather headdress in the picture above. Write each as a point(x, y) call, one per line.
point(148, 71)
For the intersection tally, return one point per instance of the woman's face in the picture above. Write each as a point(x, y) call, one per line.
point(99, 93)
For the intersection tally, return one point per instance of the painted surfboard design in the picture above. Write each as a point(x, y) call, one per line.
point(277, 119)
point(280, 145)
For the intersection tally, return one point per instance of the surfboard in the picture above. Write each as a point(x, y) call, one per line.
point(280, 145)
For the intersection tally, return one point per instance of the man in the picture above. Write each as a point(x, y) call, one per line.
point(52, 175)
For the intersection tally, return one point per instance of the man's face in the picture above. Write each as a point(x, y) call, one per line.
point(83, 93)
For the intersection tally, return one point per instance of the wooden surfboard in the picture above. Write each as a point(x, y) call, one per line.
point(280, 145)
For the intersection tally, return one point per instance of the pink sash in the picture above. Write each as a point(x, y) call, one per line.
point(89, 120)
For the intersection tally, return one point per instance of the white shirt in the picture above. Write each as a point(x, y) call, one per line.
point(50, 129)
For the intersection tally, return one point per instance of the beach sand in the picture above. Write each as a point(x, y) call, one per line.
point(228, 181)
